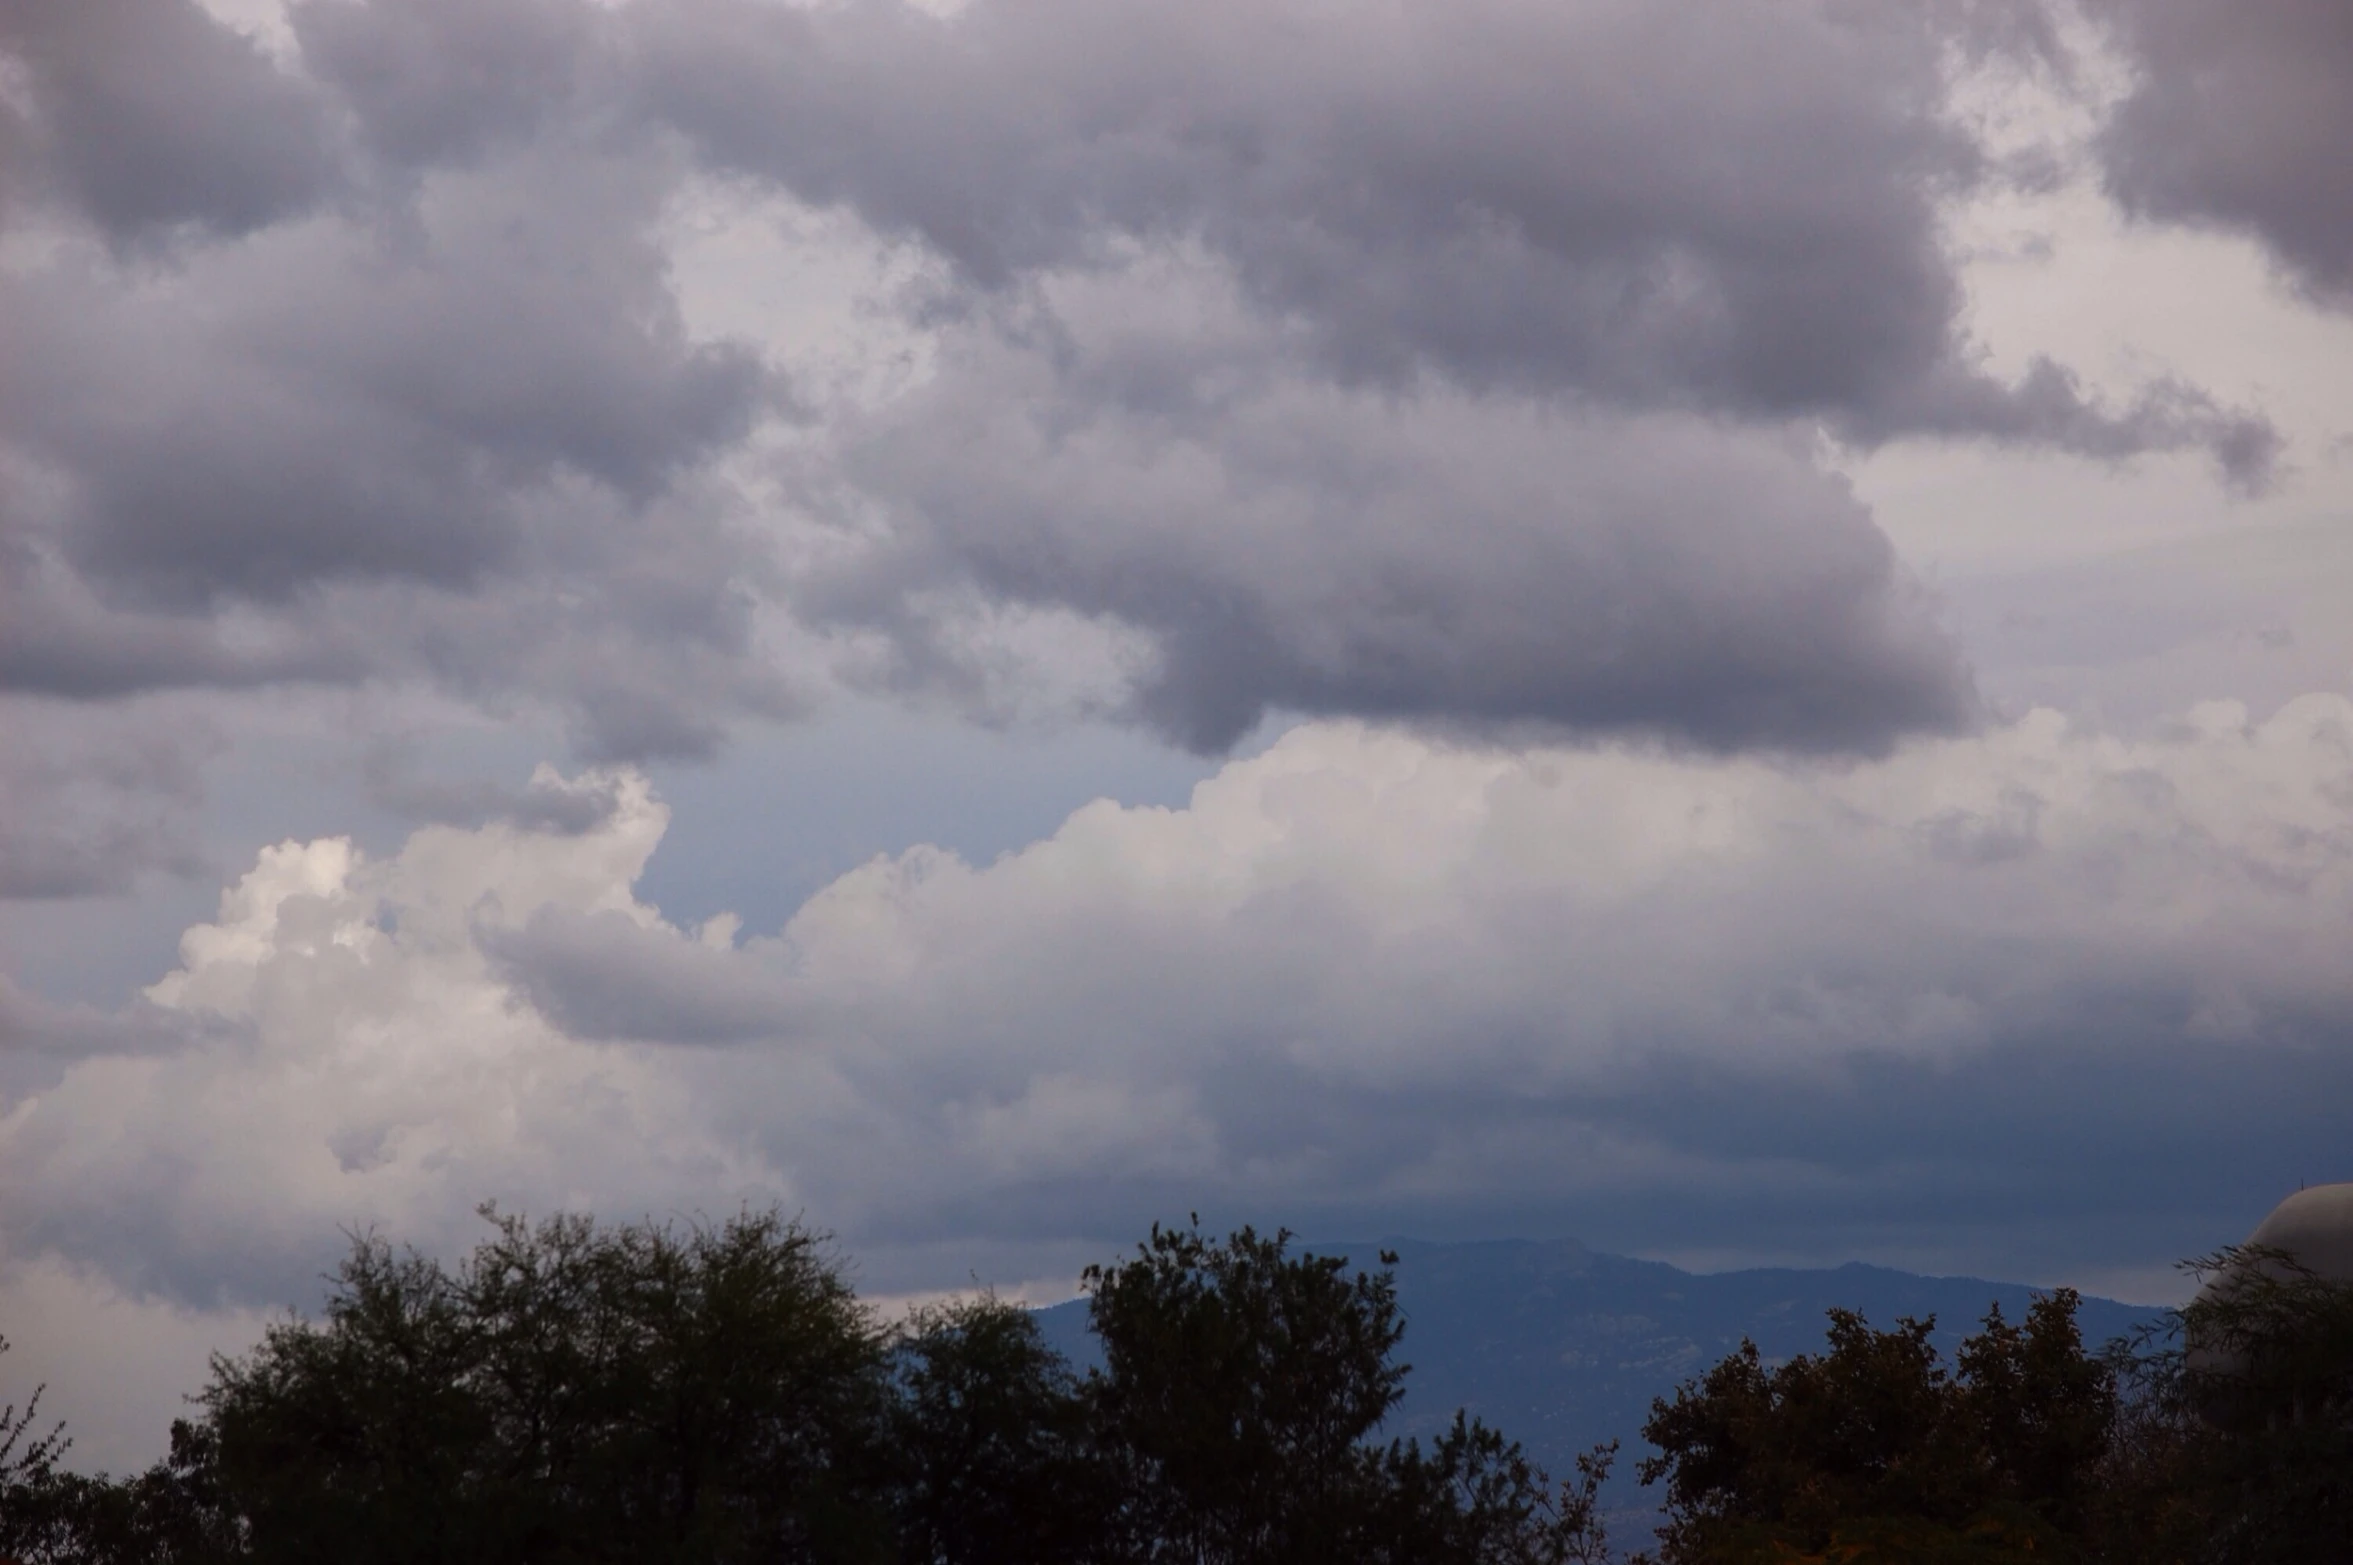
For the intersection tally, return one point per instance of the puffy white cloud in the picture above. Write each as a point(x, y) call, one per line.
point(351, 1057)
point(1363, 978)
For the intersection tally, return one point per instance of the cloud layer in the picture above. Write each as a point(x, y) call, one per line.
point(1465, 191)
point(150, 118)
point(2076, 989)
point(1277, 542)
point(1388, 363)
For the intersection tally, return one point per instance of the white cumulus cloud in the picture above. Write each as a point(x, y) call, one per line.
point(1362, 978)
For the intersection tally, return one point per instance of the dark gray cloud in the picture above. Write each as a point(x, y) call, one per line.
point(31, 1025)
point(2048, 404)
point(1412, 367)
point(448, 427)
point(339, 403)
point(607, 977)
point(435, 81)
point(1469, 190)
point(2238, 118)
point(2103, 1136)
point(1437, 558)
point(545, 804)
point(58, 638)
point(151, 116)
point(643, 641)
point(91, 799)
point(455, 441)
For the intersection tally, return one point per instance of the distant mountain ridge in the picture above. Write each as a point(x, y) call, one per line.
point(1562, 1347)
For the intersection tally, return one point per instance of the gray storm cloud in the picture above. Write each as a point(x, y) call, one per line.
point(1462, 189)
point(318, 409)
point(2238, 118)
point(1288, 544)
point(453, 430)
point(434, 82)
point(91, 798)
point(1395, 362)
point(151, 118)
point(607, 977)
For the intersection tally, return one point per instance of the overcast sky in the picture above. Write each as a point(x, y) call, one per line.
point(1722, 626)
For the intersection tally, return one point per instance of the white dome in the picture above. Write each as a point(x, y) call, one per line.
point(2314, 1229)
point(2315, 1226)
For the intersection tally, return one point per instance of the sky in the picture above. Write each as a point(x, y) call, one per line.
point(1717, 626)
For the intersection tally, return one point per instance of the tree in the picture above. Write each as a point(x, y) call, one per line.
point(172, 1514)
point(365, 1435)
point(571, 1392)
point(1474, 1498)
point(1874, 1449)
point(1241, 1388)
point(1239, 1383)
point(2238, 1427)
point(29, 1507)
point(991, 1430)
point(2038, 1413)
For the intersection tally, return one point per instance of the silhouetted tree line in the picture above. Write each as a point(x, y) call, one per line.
point(648, 1393)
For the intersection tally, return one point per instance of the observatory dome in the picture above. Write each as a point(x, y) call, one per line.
point(2313, 1231)
point(2315, 1226)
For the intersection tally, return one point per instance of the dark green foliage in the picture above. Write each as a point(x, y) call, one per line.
point(2225, 1438)
point(575, 1393)
point(1474, 1498)
point(1240, 1390)
point(571, 1393)
point(993, 1440)
point(172, 1514)
point(368, 1432)
point(1876, 1448)
point(2241, 1417)
point(716, 1395)
point(31, 1519)
point(1239, 1385)
point(2037, 1412)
